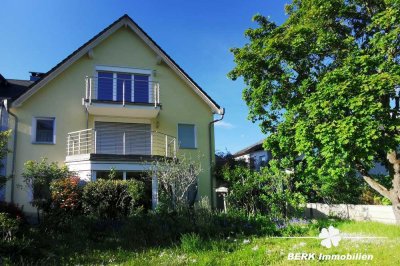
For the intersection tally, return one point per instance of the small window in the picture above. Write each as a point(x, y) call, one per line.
point(187, 136)
point(44, 130)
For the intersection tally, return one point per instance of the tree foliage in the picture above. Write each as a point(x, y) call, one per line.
point(177, 178)
point(37, 177)
point(269, 191)
point(4, 136)
point(321, 86)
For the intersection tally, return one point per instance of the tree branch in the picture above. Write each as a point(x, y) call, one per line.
point(378, 187)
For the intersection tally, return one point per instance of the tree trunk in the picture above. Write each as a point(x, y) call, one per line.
point(394, 193)
point(396, 209)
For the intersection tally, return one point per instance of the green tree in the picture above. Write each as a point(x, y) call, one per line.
point(38, 176)
point(270, 191)
point(4, 136)
point(177, 178)
point(322, 85)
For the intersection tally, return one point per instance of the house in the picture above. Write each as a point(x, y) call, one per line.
point(119, 101)
point(254, 155)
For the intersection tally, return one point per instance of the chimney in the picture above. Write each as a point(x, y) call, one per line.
point(35, 75)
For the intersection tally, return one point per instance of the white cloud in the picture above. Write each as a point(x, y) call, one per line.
point(224, 125)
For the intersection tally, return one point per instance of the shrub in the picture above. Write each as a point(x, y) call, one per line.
point(38, 176)
point(270, 191)
point(66, 194)
point(112, 198)
point(13, 210)
point(177, 178)
point(136, 191)
point(8, 226)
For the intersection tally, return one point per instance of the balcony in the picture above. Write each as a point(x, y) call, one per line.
point(119, 145)
point(123, 96)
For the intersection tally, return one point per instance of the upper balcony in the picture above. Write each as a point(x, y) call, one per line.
point(122, 95)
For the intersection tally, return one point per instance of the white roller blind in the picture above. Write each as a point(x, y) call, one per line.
point(123, 138)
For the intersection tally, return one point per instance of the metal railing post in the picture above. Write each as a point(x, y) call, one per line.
point(68, 143)
point(95, 141)
point(79, 142)
point(166, 145)
point(155, 94)
point(123, 144)
point(174, 147)
point(87, 88)
point(151, 144)
point(123, 93)
point(158, 93)
point(90, 89)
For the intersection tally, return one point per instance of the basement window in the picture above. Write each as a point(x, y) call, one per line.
point(43, 130)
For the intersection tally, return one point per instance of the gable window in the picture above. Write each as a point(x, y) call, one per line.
point(123, 84)
point(187, 136)
point(43, 130)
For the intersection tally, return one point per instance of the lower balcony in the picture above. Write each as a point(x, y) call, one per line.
point(92, 153)
point(119, 145)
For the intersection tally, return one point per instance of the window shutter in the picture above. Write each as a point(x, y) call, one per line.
point(123, 138)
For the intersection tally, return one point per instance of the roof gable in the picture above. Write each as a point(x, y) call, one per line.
point(124, 21)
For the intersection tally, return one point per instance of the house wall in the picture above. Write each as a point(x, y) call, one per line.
point(62, 98)
point(378, 213)
point(255, 157)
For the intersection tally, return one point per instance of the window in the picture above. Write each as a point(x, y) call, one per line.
point(113, 85)
point(43, 130)
point(187, 136)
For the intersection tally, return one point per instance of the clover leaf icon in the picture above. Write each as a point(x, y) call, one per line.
point(330, 237)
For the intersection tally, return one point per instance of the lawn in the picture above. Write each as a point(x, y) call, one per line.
point(256, 251)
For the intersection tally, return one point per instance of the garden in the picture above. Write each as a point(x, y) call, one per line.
point(106, 222)
point(324, 87)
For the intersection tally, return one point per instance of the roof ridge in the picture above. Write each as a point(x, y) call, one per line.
point(125, 16)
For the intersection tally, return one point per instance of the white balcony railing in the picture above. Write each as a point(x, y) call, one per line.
point(122, 91)
point(117, 142)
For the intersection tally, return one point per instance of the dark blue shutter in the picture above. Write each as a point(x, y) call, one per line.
point(141, 89)
point(105, 86)
point(128, 87)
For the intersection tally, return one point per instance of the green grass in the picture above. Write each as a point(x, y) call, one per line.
point(192, 250)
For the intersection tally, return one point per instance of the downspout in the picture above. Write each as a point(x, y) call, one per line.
point(14, 150)
point(211, 153)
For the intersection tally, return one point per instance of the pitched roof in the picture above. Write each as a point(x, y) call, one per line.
point(258, 146)
point(13, 88)
point(125, 20)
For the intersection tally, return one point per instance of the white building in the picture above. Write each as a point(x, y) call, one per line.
point(254, 155)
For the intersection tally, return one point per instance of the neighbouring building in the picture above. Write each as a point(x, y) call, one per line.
point(119, 101)
point(254, 155)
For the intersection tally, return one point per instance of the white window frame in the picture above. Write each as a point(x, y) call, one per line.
point(34, 125)
point(195, 135)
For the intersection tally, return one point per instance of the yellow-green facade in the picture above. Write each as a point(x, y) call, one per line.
point(62, 98)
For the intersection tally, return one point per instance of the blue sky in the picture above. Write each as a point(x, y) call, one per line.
point(36, 35)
